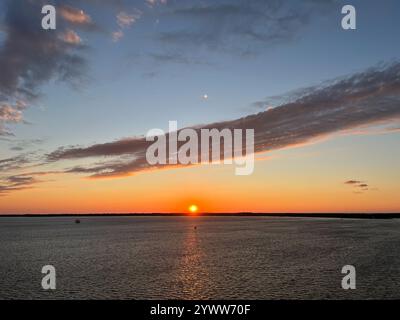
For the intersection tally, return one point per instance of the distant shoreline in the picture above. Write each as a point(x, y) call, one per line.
point(239, 214)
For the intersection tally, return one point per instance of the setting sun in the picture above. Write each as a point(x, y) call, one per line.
point(193, 208)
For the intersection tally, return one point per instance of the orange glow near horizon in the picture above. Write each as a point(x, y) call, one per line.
point(290, 181)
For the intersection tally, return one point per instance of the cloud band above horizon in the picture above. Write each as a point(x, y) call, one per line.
point(362, 99)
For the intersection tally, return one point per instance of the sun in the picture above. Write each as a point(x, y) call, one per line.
point(193, 208)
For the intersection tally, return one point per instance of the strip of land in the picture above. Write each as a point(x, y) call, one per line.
point(238, 214)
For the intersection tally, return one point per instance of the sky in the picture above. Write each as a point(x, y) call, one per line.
point(76, 102)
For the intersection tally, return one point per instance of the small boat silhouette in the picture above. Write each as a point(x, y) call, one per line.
point(77, 221)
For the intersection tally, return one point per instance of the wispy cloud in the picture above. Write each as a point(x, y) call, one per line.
point(358, 186)
point(14, 163)
point(353, 182)
point(18, 172)
point(10, 113)
point(125, 20)
point(239, 27)
point(153, 3)
point(23, 181)
point(362, 99)
point(25, 144)
point(171, 57)
point(71, 37)
point(75, 16)
point(117, 35)
point(30, 57)
point(16, 183)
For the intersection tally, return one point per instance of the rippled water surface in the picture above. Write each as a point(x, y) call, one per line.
point(223, 258)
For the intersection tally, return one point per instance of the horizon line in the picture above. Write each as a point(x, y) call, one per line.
point(358, 215)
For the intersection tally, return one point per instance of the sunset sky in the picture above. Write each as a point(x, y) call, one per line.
point(75, 103)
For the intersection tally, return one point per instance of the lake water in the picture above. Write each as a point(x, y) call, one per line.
point(223, 258)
